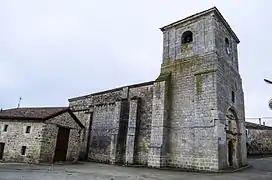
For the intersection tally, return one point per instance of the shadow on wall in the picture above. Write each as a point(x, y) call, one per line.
point(101, 142)
point(100, 145)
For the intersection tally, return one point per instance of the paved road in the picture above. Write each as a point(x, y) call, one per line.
point(262, 169)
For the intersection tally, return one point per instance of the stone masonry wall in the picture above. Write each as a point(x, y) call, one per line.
point(220, 33)
point(202, 80)
point(101, 106)
point(193, 138)
point(73, 146)
point(84, 116)
point(64, 120)
point(259, 141)
point(103, 139)
point(203, 40)
point(81, 109)
point(15, 138)
point(228, 80)
point(48, 143)
point(145, 94)
point(81, 104)
point(159, 142)
point(102, 127)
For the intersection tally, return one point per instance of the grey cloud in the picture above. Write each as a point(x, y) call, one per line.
point(52, 50)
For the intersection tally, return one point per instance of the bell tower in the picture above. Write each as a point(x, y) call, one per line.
point(205, 94)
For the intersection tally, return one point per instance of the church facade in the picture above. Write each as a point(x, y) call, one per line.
point(192, 116)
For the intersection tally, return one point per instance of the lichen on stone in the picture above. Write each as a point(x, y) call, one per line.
point(186, 47)
point(198, 84)
point(163, 76)
point(205, 71)
point(178, 65)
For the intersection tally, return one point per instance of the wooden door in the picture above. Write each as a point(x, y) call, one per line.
point(62, 144)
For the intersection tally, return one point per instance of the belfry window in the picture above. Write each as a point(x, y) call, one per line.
point(187, 37)
point(227, 45)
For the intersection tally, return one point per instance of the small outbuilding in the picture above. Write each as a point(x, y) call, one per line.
point(43, 134)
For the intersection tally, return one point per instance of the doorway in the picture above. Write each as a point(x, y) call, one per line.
point(230, 153)
point(62, 144)
point(2, 147)
point(234, 136)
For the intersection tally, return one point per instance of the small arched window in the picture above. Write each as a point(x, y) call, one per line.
point(227, 45)
point(187, 37)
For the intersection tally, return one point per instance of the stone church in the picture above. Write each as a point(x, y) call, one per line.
point(191, 117)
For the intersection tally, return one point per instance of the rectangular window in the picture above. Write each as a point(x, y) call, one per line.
point(28, 129)
point(233, 96)
point(5, 128)
point(23, 150)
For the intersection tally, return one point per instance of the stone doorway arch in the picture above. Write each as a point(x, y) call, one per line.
point(234, 156)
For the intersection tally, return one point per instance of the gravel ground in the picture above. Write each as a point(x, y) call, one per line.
point(262, 169)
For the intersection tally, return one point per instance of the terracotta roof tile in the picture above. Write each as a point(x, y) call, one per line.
point(31, 113)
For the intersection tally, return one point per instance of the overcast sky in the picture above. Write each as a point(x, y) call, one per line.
point(52, 50)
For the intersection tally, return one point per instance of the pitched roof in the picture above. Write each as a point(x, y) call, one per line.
point(36, 113)
point(250, 125)
point(31, 113)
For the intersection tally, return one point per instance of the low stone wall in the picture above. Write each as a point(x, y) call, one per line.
point(259, 141)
